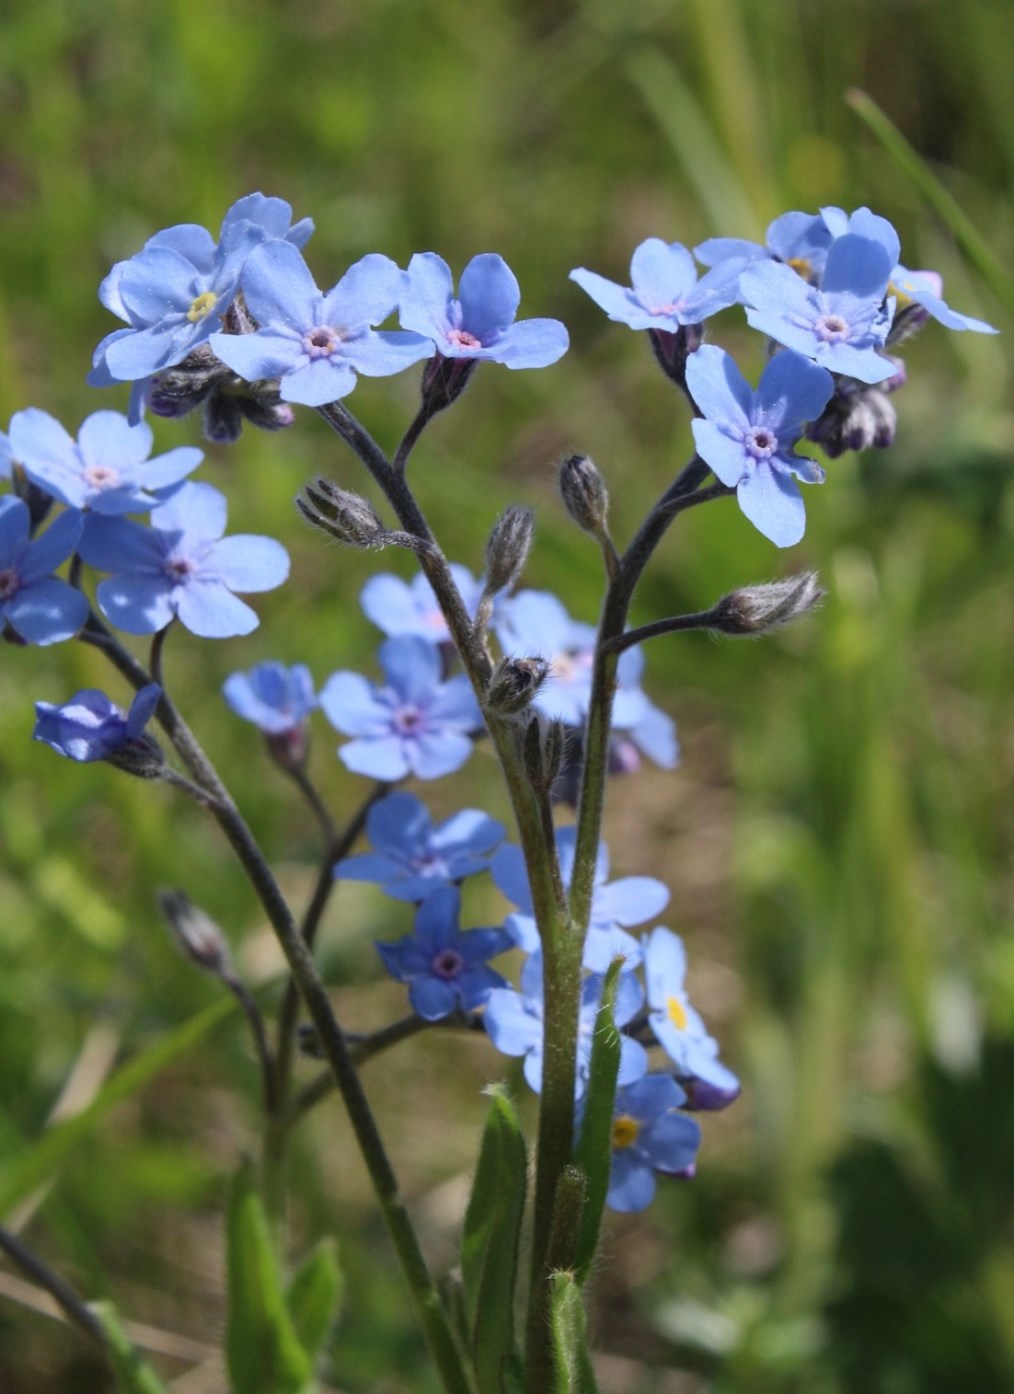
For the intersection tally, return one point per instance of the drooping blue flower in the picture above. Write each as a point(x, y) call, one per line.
point(481, 322)
point(446, 968)
point(679, 1029)
point(316, 343)
point(182, 567)
point(413, 723)
point(38, 606)
point(748, 437)
point(107, 470)
point(514, 1024)
point(841, 323)
point(402, 607)
point(90, 726)
point(649, 1135)
point(411, 857)
point(800, 240)
point(615, 904)
point(665, 290)
point(275, 698)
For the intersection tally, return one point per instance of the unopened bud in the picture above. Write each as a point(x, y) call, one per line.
point(141, 756)
point(672, 349)
point(544, 744)
point(177, 390)
point(223, 418)
point(584, 493)
point(195, 932)
point(342, 514)
point(508, 547)
point(444, 380)
point(761, 608)
point(514, 683)
point(858, 418)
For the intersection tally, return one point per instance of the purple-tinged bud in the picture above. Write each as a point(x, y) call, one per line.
point(584, 493)
point(342, 514)
point(686, 1173)
point(195, 932)
point(223, 418)
point(444, 380)
point(289, 749)
point(508, 547)
point(514, 683)
point(704, 1096)
point(856, 418)
point(177, 390)
point(624, 756)
point(672, 350)
point(759, 609)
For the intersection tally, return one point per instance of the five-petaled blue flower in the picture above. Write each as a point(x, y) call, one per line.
point(38, 606)
point(182, 567)
point(273, 697)
point(411, 857)
point(615, 904)
point(90, 726)
point(514, 1024)
point(649, 1134)
point(480, 324)
point(414, 723)
point(107, 470)
point(747, 437)
point(446, 968)
point(665, 290)
point(800, 240)
point(315, 342)
point(402, 607)
point(679, 1029)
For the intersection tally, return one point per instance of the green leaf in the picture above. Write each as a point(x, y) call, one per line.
point(262, 1350)
point(943, 203)
point(572, 1366)
point(133, 1374)
point(489, 1250)
point(60, 1141)
point(593, 1155)
point(315, 1295)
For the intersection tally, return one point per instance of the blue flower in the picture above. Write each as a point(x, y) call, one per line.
point(514, 1024)
point(7, 457)
point(480, 324)
point(317, 343)
point(629, 901)
point(411, 857)
point(679, 1029)
point(747, 437)
point(839, 324)
point(412, 724)
point(445, 967)
point(181, 567)
point(666, 292)
point(273, 697)
point(800, 240)
point(649, 1135)
point(91, 726)
point(38, 607)
point(400, 607)
point(107, 470)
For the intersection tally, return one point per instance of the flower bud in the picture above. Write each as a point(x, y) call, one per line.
point(195, 932)
point(342, 514)
point(508, 547)
point(857, 417)
point(672, 349)
point(761, 608)
point(141, 756)
point(179, 389)
point(707, 1096)
point(514, 683)
point(544, 748)
point(584, 493)
point(444, 380)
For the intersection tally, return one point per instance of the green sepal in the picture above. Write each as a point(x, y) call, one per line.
point(489, 1249)
point(133, 1373)
point(593, 1154)
point(572, 1368)
point(263, 1352)
point(315, 1295)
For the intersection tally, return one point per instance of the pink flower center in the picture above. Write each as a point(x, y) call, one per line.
point(101, 477)
point(9, 584)
point(408, 720)
point(462, 339)
point(448, 963)
point(832, 329)
point(179, 570)
point(321, 342)
point(761, 442)
point(672, 307)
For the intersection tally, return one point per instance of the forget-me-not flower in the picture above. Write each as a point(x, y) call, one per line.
point(413, 723)
point(410, 607)
point(615, 904)
point(314, 342)
point(90, 726)
point(480, 323)
point(514, 1024)
point(800, 240)
point(679, 1029)
point(38, 606)
point(747, 437)
point(446, 968)
point(106, 470)
point(649, 1134)
point(182, 567)
point(275, 698)
point(411, 856)
point(665, 292)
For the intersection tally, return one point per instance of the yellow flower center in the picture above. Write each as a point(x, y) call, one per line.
point(676, 1012)
point(625, 1130)
point(895, 289)
point(202, 307)
point(801, 265)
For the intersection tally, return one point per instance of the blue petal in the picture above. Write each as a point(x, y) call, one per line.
point(631, 900)
point(270, 353)
point(382, 758)
point(436, 920)
point(433, 998)
point(619, 303)
point(858, 266)
point(46, 611)
point(489, 296)
point(350, 704)
point(381, 354)
point(320, 382)
point(532, 343)
point(631, 1183)
point(426, 295)
point(156, 284)
point(279, 289)
point(114, 544)
point(431, 756)
point(665, 966)
point(399, 823)
point(367, 293)
point(773, 503)
point(136, 604)
point(196, 511)
point(52, 548)
point(792, 390)
point(718, 387)
point(210, 610)
point(106, 438)
point(248, 563)
point(718, 249)
point(727, 457)
point(411, 666)
point(662, 274)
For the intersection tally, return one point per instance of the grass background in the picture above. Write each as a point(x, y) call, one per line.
point(838, 839)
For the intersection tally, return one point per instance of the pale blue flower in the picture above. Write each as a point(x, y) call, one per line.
point(665, 292)
point(410, 607)
point(679, 1029)
point(90, 726)
point(275, 698)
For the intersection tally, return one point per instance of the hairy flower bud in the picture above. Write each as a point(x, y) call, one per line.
point(761, 608)
point(673, 348)
point(177, 390)
point(141, 756)
point(342, 514)
point(444, 380)
point(514, 683)
point(857, 418)
point(584, 493)
point(544, 745)
point(195, 932)
point(508, 547)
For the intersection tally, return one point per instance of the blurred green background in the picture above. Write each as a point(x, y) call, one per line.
point(838, 838)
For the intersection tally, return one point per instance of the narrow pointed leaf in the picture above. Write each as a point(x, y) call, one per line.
point(133, 1373)
point(594, 1149)
point(315, 1295)
point(572, 1366)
